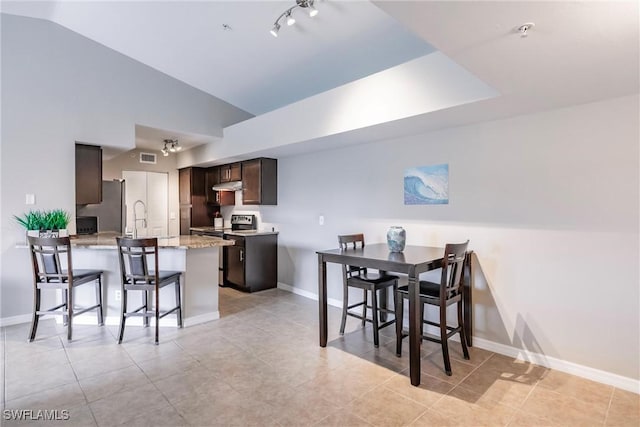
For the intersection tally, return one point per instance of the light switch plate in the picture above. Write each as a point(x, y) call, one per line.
point(30, 199)
point(321, 220)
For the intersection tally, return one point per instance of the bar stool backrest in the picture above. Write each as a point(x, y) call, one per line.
point(48, 255)
point(452, 269)
point(352, 241)
point(138, 260)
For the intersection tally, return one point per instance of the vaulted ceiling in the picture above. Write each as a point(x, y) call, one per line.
point(577, 52)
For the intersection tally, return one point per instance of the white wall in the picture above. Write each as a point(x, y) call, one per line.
point(549, 202)
point(59, 88)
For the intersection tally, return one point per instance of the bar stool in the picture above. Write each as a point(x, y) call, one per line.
point(47, 255)
point(136, 256)
point(368, 281)
point(449, 291)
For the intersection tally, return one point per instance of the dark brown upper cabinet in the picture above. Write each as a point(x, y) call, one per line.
point(231, 172)
point(88, 174)
point(191, 185)
point(260, 182)
point(193, 205)
point(219, 198)
point(212, 178)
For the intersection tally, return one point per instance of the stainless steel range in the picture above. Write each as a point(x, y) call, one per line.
point(244, 222)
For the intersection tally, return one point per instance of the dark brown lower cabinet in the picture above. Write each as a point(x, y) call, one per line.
point(252, 263)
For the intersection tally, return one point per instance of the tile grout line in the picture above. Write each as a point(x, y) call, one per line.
point(154, 385)
point(75, 374)
point(426, 408)
point(606, 414)
point(519, 408)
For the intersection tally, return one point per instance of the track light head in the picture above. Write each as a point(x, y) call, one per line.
point(275, 29)
point(290, 19)
point(312, 10)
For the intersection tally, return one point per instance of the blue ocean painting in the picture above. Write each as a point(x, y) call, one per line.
point(427, 185)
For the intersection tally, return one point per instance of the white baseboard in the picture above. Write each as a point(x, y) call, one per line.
point(331, 301)
point(15, 320)
point(587, 372)
point(202, 318)
point(137, 321)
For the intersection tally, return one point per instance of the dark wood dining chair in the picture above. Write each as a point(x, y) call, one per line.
point(139, 272)
point(449, 291)
point(53, 269)
point(368, 281)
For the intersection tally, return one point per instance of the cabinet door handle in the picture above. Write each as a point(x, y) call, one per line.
point(241, 255)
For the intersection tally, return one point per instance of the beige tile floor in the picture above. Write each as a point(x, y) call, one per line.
point(261, 365)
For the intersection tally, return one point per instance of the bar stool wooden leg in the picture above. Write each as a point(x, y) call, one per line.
point(179, 302)
point(145, 304)
point(374, 315)
point(345, 304)
point(364, 308)
point(463, 339)
point(399, 303)
point(99, 300)
point(65, 301)
point(123, 315)
point(70, 311)
point(443, 339)
point(157, 307)
point(36, 316)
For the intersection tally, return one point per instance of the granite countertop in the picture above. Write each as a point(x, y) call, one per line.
point(108, 241)
point(206, 229)
point(233, 232)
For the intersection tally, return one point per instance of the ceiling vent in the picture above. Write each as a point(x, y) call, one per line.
point(148, 158)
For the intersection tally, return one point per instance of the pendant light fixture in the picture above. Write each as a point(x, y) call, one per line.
point(290, 19)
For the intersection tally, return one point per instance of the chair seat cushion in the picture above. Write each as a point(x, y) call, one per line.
point(166, 274)
point(426, 288)
point(85, 274)
point(166, 277)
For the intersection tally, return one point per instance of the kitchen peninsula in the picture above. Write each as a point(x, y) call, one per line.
point(196, 256)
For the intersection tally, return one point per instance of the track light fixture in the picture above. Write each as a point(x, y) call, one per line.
point(170, 146)
point(307, 4)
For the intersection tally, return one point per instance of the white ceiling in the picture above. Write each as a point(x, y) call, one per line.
point(579, 51)
point(244, 65)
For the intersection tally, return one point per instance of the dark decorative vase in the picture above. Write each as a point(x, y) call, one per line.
point(396, 239)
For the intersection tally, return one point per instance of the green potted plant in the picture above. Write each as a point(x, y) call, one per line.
point(51, 223)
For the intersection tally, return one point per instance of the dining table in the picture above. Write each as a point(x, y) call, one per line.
point(412, 261)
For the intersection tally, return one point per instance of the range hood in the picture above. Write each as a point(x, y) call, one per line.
point(228, 186)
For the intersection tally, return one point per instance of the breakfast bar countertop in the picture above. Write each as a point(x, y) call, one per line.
point(107, 240)
point(207, 229)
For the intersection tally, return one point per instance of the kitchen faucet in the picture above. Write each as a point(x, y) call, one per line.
point(135, 217)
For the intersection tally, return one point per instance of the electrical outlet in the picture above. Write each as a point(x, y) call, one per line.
point(118, 295)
